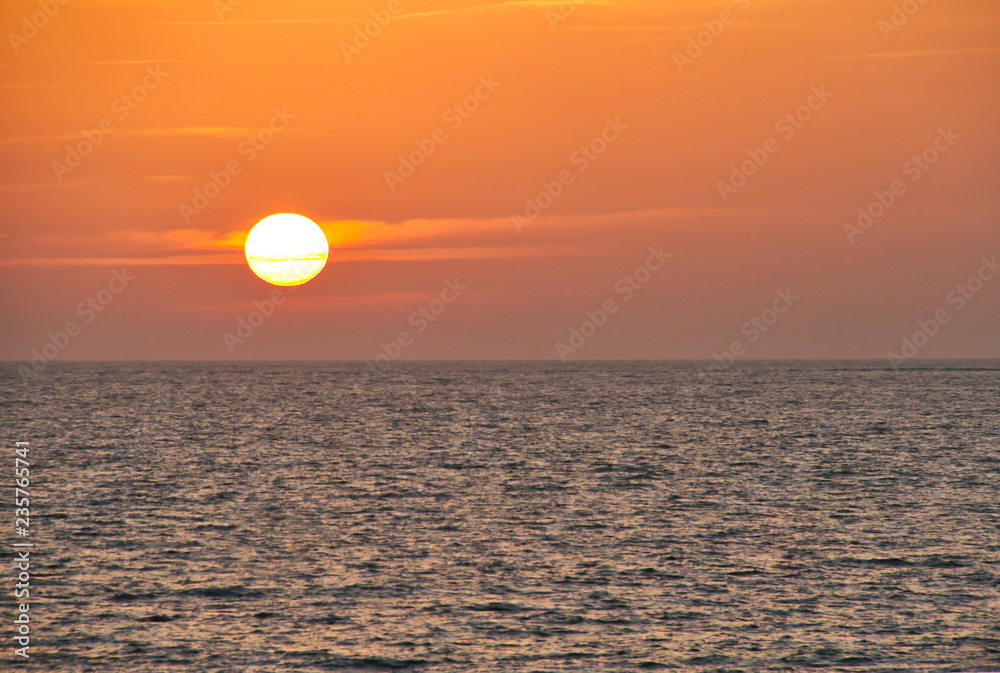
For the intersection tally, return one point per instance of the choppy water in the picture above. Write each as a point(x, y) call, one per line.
point(511, 517)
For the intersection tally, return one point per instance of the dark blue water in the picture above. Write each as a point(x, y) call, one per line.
point(511, 517)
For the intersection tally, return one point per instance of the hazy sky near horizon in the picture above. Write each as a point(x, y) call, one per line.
point(642, 133)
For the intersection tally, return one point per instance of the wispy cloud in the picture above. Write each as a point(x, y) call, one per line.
point(353, 20)
point(126, 261)
point(535, 4)
point(357, 241)
point(143, 61)
point(15, 87)
point(916, 54)
point(252, 22)
point(45, 185)
point(359, 300)
point(218, 131)
point(172, 240)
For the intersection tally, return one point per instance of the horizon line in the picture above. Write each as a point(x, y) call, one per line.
point(507, 360)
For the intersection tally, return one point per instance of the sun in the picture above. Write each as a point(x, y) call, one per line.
point(286, 249)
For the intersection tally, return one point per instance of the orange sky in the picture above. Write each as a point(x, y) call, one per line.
point(179, 92)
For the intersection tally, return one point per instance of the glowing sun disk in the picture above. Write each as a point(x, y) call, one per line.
point(286, 249)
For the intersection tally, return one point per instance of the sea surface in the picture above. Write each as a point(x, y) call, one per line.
point(528, 517)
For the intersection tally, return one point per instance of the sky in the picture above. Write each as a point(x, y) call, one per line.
point(518, 179)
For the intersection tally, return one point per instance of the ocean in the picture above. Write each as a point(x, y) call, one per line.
point(529, 517)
